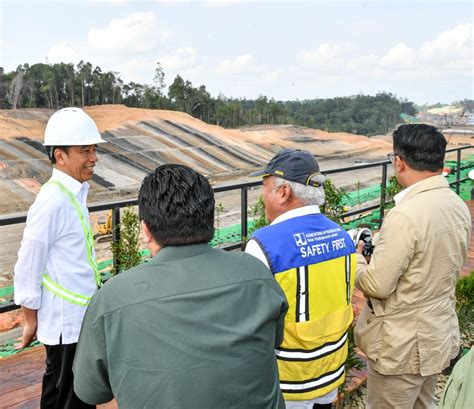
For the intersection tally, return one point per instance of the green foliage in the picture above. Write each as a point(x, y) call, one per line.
point(393, 188)
point(58, 85)
point(219, 211)
point(127, 250)
point(357, 185)
point(257, 211)
point(465, 303)
point(333, 207)
point(361, 114)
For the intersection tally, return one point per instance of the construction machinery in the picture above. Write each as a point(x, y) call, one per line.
point(103, 229)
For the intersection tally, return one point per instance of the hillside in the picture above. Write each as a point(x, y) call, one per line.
point(140, 139)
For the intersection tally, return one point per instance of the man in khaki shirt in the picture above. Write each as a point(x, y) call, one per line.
point(408, 329)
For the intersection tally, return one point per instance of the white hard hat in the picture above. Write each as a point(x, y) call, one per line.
point(359, 234)
point(71, 127)
point(471, 174)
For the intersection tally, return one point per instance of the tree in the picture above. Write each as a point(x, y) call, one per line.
point(85, 75)
point(14, 90)
point(159, 78)
point(177, 93)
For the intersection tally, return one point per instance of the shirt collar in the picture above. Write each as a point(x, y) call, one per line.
point(172, 253)
point(300, 211)
point(399, 196)
point(70, 183)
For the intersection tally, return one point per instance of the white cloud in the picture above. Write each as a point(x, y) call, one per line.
point(238, 65)
point(182, 58)
point(272, 76)
point(135, 33)
point(449, 55)
point(166, 34)
point(325, 54)
point(456, 42)
point(399, 56)
point(137, 69)
point(64, 51)
point(223, 3)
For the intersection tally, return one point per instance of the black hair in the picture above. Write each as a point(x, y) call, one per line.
point(177, 205)
point(50, 152)
point(421, 146)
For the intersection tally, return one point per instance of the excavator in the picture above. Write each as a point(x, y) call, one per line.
point(103, 229)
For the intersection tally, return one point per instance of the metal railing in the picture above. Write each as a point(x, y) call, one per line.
point(116, 206)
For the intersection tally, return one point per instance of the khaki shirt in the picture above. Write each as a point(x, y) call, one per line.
point(412, 326)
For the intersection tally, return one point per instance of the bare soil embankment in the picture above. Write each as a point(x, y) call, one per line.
point(139, 140)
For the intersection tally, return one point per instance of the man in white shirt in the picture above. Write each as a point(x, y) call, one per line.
point(56, 272)
point(313, 260)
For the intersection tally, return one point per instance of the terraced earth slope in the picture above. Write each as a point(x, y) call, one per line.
point(139, 140)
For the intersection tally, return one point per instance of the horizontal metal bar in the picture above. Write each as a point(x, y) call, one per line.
point(21, 218)
point(8, 306)
point(363, 210)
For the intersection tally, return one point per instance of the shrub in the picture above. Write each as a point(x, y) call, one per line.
point(465, 303)
point(126, 250)
point(333, 208)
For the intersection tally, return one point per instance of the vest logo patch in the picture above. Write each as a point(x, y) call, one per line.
point(320, 242)
point(300, 239)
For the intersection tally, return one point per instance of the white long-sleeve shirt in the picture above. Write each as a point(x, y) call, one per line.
point(54, 242)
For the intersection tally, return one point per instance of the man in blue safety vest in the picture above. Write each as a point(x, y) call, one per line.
point(56, 272)
point(313, 260)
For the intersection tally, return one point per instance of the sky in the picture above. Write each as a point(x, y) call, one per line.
point(421, 50)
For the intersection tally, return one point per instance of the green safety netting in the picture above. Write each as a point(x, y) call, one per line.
point(232, 234)
point(410, 118)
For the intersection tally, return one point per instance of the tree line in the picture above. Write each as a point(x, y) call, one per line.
point(58, 85)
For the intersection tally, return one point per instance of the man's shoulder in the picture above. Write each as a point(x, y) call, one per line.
point(50, 194)
point(425, 202)
point(47, 201)
point(237, 258)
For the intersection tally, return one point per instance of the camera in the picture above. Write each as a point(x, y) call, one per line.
point(364, 234)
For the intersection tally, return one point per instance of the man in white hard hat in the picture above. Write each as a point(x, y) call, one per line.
point(56, 272)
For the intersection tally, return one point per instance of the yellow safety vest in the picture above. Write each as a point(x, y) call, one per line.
point(56, 288)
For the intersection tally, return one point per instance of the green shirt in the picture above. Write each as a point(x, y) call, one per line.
point(195, 327)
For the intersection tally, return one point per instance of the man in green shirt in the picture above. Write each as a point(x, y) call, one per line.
point(194, 327)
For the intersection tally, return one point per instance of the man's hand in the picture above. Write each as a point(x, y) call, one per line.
point(28, 336)
point(29, 330)
point(360, 248)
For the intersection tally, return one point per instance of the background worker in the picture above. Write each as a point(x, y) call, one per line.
point(56, 271)
point(409, 329)
point(194, 327)
point(313, 260)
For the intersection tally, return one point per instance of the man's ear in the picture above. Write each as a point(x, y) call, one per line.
point(399, 164)
point(59, 156)
point(146, 234)
point(285, 194)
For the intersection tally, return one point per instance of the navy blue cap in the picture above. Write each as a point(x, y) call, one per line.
point(294, 165)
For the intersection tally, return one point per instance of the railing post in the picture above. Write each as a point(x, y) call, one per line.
point(458, 171)
point(116, 233)
point(383, 188)
point(243, 214)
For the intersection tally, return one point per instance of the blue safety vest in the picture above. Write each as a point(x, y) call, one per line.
point(313, 260)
